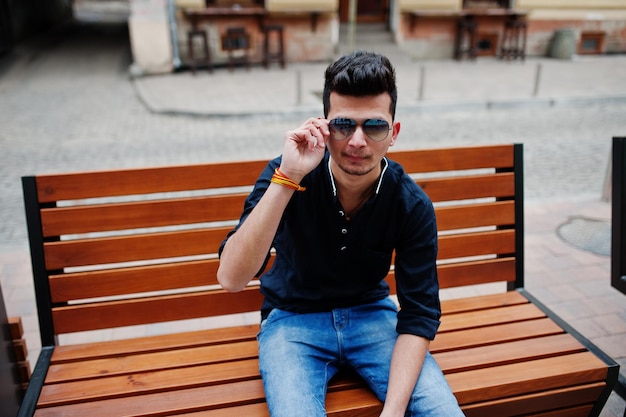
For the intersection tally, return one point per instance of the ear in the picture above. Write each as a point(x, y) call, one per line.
point(394, 133)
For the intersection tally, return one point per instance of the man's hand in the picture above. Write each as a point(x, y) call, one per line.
point(406, 365)
point(304, 148)
point(246, 250)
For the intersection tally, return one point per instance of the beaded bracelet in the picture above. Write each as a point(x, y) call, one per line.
point(285, 181)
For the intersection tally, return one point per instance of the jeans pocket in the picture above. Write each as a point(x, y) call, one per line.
point(270, 317)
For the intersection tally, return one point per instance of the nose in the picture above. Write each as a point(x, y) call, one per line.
point(357, 139)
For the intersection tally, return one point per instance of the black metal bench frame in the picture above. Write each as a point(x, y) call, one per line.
point(618, 230)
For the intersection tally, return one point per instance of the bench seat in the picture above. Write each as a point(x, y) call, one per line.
point(499, 353)
point(503, 353)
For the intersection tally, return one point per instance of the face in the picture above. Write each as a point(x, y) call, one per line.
point(358, 154)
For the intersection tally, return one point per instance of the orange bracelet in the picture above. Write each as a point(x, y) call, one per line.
point(285, 181)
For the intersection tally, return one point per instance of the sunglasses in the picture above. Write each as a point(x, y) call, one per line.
point(375, 129)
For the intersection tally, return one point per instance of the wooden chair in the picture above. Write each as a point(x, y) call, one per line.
point(236, 42)
point(279, 51)
point(514, 38)
point(466, 37)
point(199, 33)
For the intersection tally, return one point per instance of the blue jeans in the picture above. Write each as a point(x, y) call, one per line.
point(300, 353)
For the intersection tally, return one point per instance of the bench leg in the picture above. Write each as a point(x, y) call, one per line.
point(29, 403)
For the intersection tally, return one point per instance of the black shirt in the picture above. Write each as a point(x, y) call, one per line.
point(325, 261)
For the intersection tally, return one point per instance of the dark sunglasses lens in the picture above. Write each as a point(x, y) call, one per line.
point(376, 129)
point(341, 128)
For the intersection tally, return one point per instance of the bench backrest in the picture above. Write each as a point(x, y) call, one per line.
point(138, 246)
point(618, 221)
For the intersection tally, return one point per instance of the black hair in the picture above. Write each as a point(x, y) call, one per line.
point(361, 74)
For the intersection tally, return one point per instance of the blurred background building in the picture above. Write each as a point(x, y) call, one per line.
point(163, 32)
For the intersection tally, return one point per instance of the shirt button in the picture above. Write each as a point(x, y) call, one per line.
point(344, 231)
point(343, 248)
point(341, 213)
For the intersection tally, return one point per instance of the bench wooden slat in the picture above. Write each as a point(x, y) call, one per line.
point(141, 382)
point(256, 410)
point(525, 377)
point(164, 403)
point(354, 403)
point(110, 250)
point(477, 272)
point(532, 403)
point(133, 280)
point(505, 353)
point(494, 242)
point(185, 401)
point(76, 186)
point(159, 343)
point(154, 361)
point(76, 318)
point(480, 302)
point(498, 333)
point(499, 185)
point(489, 317)
point(434, 160)
point(469, 273)
point(499, 213)
point(360, 403)
point(104, 283)
point(510, 406)
point(141, 214)
point(580, 411)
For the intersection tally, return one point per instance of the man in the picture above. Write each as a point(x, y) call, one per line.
point(335, 209)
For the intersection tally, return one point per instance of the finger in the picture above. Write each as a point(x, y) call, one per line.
point(322, 125)
point(311, 134)
point(318, 138)
point(312, 138)
point(299, 135)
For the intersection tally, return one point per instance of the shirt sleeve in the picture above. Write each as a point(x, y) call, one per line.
point(253, 198)
point(416, 271)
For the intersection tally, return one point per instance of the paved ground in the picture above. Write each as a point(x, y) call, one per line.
point(67, 103)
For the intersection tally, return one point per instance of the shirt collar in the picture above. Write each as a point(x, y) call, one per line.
point(384, 163)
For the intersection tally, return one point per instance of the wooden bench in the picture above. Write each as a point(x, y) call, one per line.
point(12, 366)
point(618, 229)
point(138, 247)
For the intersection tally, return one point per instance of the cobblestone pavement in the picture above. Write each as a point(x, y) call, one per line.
point(67, 103)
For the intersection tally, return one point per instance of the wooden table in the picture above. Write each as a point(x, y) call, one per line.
point(490, 12)
point(514, 28)
point(196, 16)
